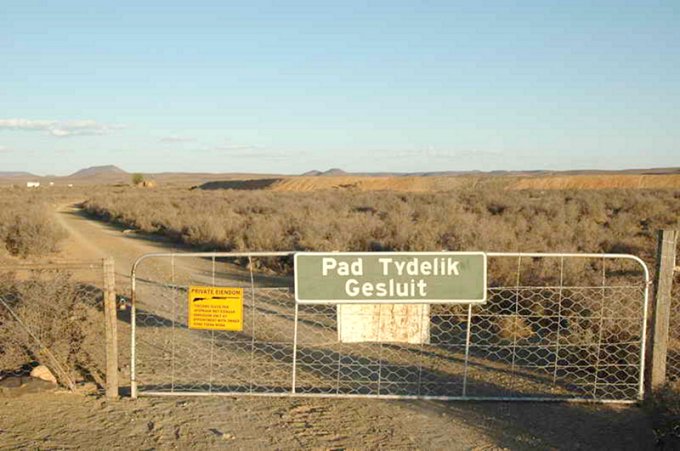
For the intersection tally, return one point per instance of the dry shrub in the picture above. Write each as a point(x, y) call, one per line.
point(32, 233)
point(62, 315)
point(483, 219)
point(26, 227)
point(513, 327)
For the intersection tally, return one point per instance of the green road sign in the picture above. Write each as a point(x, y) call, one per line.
point(390, 277)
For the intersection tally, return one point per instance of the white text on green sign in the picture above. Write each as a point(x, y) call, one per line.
point(389, 277)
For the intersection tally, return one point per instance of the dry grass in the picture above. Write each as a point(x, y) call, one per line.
point(26, 226)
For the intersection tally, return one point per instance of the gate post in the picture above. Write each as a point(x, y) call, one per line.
point(111, 322)
point(665, 266)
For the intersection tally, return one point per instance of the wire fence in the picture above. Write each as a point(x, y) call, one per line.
point(51, 314)
point(555, 327)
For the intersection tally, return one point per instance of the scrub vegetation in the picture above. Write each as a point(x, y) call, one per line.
point(26, 226)
point(617, 221)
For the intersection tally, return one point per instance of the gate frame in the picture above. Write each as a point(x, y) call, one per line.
point(134, 393)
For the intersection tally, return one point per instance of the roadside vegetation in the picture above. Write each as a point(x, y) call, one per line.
point(618, 221)
point(48, 318)
point(26, 226)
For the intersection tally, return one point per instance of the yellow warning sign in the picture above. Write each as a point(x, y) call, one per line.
point(216, 308)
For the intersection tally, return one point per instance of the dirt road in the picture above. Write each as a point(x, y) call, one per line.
point(62, 420)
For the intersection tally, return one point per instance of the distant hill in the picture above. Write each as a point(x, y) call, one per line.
point(16, 174)
point(96, 171)
point(336, 178)
point(333, 172)
point(312, 173)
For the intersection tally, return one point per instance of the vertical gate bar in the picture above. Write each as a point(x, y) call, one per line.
point(515, 321)
point(380, 343)
point(599, 335)
point(252, 321)
point(424, 308)
point(468, 335)
point(174, 317)
point(559, 320)
point(133, 340)
point(212, 334)
point(295, 340)
point(338, 315)
point(643, 338)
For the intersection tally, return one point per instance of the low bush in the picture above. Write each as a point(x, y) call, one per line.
point(32, 233)
point(26, 227)
point(51, 320)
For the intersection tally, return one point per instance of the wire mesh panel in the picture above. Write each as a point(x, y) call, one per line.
point(171, 357)
point(567, 328)
point(52, 314)
point(554, 327)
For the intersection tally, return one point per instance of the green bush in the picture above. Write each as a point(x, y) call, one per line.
point(137, 178)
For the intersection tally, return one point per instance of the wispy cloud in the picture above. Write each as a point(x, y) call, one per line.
point(176, 139)
point(59, 129)
point(234, 147)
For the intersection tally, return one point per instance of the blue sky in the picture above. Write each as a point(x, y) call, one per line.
point(367, 86)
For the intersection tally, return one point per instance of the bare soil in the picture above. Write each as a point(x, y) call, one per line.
point(61, 420)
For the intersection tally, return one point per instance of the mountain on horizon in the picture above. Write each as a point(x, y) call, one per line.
point(97, 171)
point(330, 172)
point(334, 172)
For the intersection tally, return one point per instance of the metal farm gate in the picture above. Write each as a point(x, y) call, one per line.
point(554, 327)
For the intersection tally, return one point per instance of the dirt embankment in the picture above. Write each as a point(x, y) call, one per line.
point(603, 181)
point(360, 183)
point(421, 184)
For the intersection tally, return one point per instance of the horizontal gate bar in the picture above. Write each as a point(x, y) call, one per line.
point(394, 397)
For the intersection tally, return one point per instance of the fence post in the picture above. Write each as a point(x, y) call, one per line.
point(665, 266)
point(111, 321)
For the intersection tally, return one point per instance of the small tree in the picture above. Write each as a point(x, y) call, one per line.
point(137, 178)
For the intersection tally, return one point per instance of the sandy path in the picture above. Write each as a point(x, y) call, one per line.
point(92, 240)
point(65, 420)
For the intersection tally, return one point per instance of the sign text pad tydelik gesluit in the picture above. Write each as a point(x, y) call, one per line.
point(390, 276)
